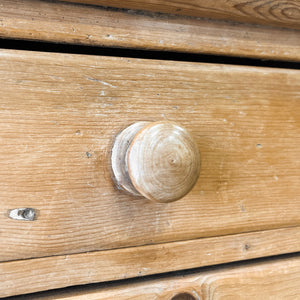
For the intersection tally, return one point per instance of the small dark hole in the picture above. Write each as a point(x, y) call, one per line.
point(27, 213)
point(247, 246)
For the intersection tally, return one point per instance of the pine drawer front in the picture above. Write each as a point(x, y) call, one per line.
point(72, 23)
point(60, 114)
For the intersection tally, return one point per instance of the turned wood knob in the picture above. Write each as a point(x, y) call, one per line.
point(158, 160)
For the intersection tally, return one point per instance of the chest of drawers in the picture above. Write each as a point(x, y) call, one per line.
point(64, 220)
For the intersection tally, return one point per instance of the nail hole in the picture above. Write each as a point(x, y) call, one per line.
point(25, 214)
point(247, 247)
point(28, 214)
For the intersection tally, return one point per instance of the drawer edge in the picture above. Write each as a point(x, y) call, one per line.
point(92, 26)
point(99, 266)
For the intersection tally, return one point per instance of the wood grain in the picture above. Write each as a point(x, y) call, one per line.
point(59, 115)
point(273, 279)
point(119, 157)
point(88, 25)
point(61, 271)
point(163, 161)
point(274, 13)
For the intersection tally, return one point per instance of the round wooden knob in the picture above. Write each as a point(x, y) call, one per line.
point(159, 160)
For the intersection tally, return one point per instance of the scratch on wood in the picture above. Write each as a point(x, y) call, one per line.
point(100, 81)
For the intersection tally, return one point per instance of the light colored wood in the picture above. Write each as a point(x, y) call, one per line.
point(60, 113)
point(89, 25)
point(160, 160)
point(274, 279)
point(27, 276)
point(163, 161)
point(273, 13)
point(118, 157)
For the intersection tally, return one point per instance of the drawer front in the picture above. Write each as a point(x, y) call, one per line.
point(70, 23)
point(271, 279)
point(60, 114)
point(284, 14)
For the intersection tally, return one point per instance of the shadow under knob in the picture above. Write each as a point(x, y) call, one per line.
point(158, 160)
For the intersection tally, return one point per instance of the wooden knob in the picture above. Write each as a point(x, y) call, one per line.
point(159, 160)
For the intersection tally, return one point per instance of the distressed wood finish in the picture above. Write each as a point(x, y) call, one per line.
point(61, 271)
point(271, 279)
point(284, 13)
point(60, 114)
point(119, 157)
point(88, 25)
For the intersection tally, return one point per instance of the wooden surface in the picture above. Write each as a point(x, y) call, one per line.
point(61, 271)
point(119, 157)
point(274, 279)
point(60, 113)
point(90, 25)
point(274, 13)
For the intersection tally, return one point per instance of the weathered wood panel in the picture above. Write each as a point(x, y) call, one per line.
point(59, 114)
point(88, 25)
point(26, 276)
point(275, 13)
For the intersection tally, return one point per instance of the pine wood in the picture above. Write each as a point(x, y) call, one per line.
point(27, 276)
point(271, 279)
point(160, 160)
point(91, 25)
point(59, 116)
point(119, 157)
point(273, 13)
